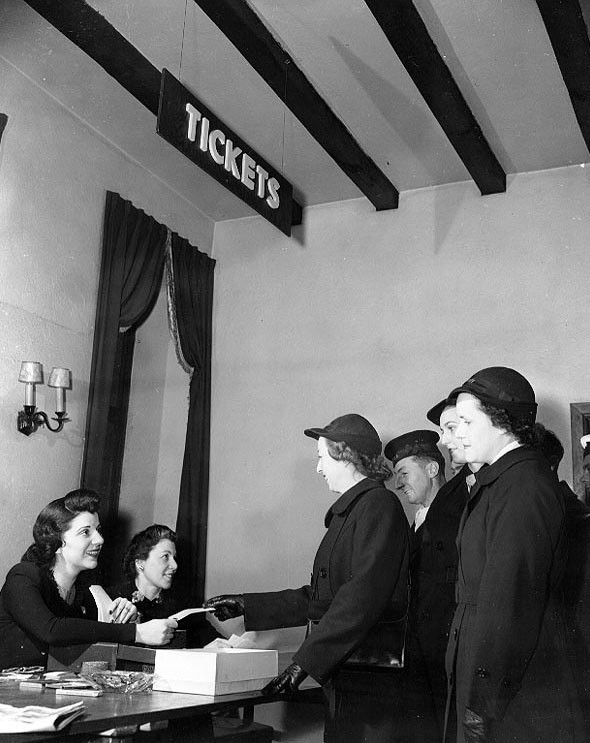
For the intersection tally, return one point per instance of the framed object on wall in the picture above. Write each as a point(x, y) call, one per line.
point(580, 421)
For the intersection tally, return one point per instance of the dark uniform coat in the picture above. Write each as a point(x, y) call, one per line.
point(359, 578)
point(507, 657)
point(433, 571)
point(577, 595)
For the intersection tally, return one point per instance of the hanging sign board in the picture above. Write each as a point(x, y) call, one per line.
point(192, 128)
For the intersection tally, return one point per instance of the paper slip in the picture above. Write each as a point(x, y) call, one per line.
point(37, 719)
point(245, 641)
point(72, 692)
point(60, 680)
point(103, 603)
point(187, 612)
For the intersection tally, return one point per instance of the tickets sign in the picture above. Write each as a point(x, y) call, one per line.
point(192, 128)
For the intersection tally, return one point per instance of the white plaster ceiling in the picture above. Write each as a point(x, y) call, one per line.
point(498, 52)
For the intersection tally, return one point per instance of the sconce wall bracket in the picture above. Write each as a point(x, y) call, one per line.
point(29, 420)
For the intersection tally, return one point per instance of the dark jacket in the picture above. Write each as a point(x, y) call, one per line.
point(577, 594)
point(506, 653)
point(33, 617)
point(360, 576)
point(433, 571)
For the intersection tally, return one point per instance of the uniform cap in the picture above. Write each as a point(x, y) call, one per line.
point(503, 388)
point(436, 411)
point(414, 444)
point(353, 430)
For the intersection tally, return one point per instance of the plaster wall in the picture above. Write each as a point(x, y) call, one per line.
point(54, 172)
point(379, 313)
point(156, 427)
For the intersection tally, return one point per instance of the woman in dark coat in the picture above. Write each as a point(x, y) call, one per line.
point(356, 603)
point(44, 601)
point(506, 660)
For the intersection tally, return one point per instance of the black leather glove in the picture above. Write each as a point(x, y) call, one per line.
point(475, 728)
point(286, 681)
point(228, 606)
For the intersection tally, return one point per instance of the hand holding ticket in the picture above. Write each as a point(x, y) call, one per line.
point(187, 612)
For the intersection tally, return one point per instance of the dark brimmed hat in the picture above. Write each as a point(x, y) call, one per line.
point(503, 388)
point(436, 411)
point(353, 430)
point(414, 444)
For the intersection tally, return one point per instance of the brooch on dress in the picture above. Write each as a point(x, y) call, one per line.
point(137, 597)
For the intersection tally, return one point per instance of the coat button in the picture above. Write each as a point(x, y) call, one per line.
point(455, 633)
point(482, 673)
point(323, 573)
point(505, 682)
point(440, 546)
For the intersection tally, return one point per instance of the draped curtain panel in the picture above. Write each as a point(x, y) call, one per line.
point(133, 258)
point(191, 291)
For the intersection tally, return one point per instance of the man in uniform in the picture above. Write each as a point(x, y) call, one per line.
point(419, 468)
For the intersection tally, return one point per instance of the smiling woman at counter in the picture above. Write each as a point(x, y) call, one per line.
point(42, 602)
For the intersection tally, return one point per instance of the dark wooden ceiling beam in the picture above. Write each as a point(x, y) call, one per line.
point(240, 24)
point(409, 37)
point(101, 41)
point(568, 34)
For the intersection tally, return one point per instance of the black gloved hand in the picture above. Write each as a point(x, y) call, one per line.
point(475, 728)
point(286, 681)
point(228, 606)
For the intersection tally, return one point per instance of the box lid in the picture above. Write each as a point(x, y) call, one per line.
point(220, 664)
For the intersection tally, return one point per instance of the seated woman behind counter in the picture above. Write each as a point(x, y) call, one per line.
point(43, 604)
point(149, 565)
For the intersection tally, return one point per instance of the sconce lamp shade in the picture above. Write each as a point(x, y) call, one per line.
point(60, 378)
point(31, 372)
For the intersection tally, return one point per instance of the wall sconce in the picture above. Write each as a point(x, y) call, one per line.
point(29, 418)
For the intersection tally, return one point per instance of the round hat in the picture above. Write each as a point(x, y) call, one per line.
point(504, 388)
point(414, 443)
point(353, 430)
point(436, 411)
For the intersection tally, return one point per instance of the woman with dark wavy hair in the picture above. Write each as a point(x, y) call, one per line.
point(506, 661)
point(149, 567)
point(42, 602)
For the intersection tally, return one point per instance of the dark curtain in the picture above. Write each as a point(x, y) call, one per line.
point(193, 299)
point(133, 257)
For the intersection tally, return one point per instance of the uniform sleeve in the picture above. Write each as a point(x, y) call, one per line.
point(378, 572)
point(24, 602)
point(524, 529)
point(276, 609)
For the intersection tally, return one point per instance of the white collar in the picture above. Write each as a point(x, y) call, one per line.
point(420, 516)
point(509, 447)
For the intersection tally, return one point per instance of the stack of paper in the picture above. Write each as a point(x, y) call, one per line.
point(37, 719)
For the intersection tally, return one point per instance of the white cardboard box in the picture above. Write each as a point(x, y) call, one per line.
point(213, 672)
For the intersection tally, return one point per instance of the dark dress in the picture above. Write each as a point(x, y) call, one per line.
point(507, 658)
point(359, 579)
point(433, 571)
point(199, 631)
point(33, 617)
